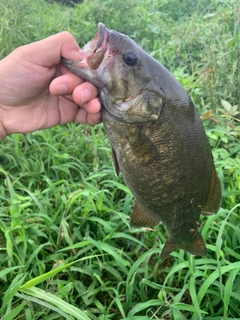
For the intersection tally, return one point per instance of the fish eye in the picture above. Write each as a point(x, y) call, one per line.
point(130, 58)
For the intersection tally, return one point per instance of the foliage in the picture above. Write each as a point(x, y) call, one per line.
point(67, 250)
point(188, 43)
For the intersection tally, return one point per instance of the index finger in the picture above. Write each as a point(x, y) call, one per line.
point(48, 52)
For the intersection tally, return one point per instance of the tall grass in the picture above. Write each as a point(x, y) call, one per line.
point(67, 249)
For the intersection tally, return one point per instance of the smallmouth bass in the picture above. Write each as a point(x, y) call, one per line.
point(158, 141)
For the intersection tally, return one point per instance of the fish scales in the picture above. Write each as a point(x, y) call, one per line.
point(158, 142)
point(164, 176)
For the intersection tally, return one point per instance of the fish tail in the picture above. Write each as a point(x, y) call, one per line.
point(196, 246)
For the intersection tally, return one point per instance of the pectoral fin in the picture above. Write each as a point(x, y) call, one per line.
point(115, 162)
point(196, 246)
point(147, 146)
point(142, 217)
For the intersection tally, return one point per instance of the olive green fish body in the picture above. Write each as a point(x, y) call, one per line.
point(158, 142)
point(167, 188)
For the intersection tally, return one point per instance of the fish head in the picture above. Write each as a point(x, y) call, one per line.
point(124, 74)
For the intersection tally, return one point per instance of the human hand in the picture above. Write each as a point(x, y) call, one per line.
point(36, 92)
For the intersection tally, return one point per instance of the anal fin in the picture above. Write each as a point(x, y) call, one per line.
point(141, 217)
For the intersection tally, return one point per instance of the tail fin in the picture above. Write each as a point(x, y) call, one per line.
point(196, 246)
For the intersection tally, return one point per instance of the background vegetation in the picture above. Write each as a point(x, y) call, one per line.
point(67, 250)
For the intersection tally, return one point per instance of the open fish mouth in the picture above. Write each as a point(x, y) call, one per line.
point(95, 49)
point(102, 37)
point(93, 54)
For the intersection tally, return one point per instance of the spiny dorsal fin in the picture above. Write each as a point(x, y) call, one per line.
point(141, 217)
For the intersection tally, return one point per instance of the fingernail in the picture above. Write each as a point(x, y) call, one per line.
point(86, 95)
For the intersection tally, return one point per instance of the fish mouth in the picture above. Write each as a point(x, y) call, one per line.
point(96, 48)
point(93, 54)
point(102, 37)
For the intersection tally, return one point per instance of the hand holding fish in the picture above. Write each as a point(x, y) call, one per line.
point(37, 92)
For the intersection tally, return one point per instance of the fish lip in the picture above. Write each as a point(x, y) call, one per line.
point(102, 38)
point(100, 35)
point(95, 49)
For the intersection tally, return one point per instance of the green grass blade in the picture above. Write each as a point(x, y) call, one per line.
point(213, 276)
point(13, 314)
point(63, 305)
point(45, 276)
point(6, 271)
point(10, 293)
point(228, 290)
point(144, 306)
point(44, 304)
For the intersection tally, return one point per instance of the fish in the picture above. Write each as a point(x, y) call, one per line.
point(158, 142)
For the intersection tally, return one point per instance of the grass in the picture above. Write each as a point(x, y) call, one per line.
point(67, 249)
